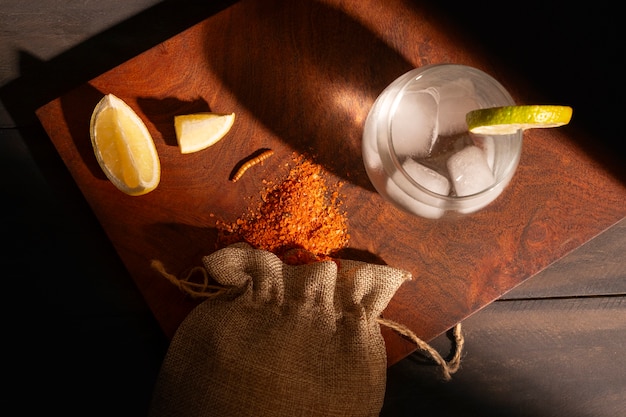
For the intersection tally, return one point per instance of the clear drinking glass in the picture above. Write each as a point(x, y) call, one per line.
point(418, 152)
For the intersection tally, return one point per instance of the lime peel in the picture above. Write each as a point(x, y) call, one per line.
point(509, 119)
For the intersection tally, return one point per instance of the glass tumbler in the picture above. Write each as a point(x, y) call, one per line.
point(418, 152)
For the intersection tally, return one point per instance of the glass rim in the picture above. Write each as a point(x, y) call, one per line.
point(440, 198)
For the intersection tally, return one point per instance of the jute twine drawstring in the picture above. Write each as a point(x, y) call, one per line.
point(206, 290)
point(447, 367)
point(194, 289)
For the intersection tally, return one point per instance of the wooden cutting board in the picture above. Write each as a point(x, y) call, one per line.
point(301, 77)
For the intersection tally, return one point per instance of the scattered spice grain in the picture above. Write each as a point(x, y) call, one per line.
point(301, 214)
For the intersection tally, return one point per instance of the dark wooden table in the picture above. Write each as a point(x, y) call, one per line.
point(302, 77)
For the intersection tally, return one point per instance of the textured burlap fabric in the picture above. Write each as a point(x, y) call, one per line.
point(286, 341)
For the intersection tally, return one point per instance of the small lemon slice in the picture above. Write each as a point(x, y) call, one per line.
point(509, 119)
point(124, 147)
point(195, 132)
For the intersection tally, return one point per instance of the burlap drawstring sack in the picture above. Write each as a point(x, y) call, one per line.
point(280, 340)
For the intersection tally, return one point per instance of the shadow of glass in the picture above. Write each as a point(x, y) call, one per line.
point(312, 87)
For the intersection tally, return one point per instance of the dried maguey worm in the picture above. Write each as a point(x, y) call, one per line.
point(250, 163)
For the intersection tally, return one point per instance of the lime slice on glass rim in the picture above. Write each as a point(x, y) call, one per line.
point(509, 119)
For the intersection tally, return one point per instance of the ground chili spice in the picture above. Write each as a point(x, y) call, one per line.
point(299, 218)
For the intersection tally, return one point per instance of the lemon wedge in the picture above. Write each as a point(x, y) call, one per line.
point(509, 119)
point(198, 131)
point(124, 147)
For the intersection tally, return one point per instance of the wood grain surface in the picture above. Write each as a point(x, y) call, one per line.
point(302, 77)
point(524, 358)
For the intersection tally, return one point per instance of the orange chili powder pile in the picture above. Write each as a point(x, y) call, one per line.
point(300, 213)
